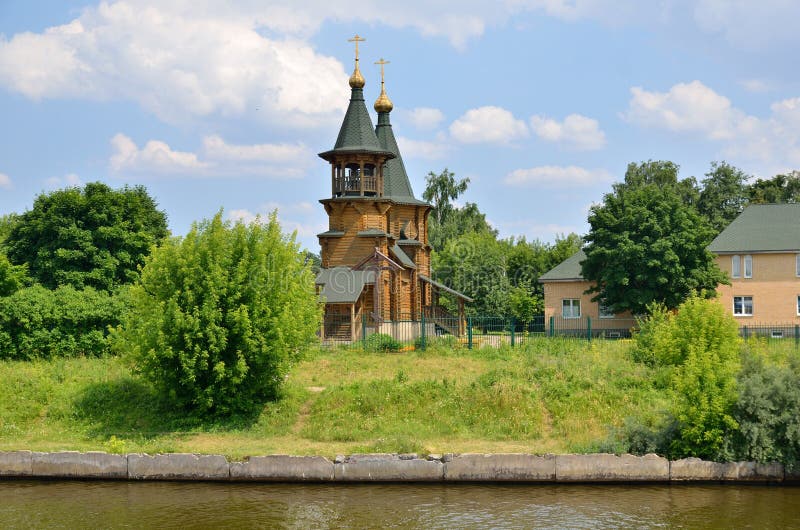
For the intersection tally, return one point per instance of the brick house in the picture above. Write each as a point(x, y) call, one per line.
point(759, 251)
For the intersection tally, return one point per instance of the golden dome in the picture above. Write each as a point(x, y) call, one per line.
point(383, 103)
point(356, 80)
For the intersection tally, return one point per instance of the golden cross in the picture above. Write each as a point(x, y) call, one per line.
point(356, 39)
point(382, 62)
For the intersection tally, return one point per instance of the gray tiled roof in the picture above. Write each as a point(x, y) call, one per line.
point(402, 257)
point(342, 285)
point(356, 134)
point(569, 269)
point(761, 228)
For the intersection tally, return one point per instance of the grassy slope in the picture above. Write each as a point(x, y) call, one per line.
point(549, 396)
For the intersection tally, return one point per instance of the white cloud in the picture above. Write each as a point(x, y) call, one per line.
point(425, 150)
point(216, 158)
point(488, 125)
point(178, 62)
point(773, 142)
point(5, 181)
point(156, 157)
point(558, 176)
point(749, 25)
point(576, 131)
point(425, 117)
point(687, 107)
point(67, 181)
point(755, 85)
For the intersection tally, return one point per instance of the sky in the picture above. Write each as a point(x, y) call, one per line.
point(540, 103)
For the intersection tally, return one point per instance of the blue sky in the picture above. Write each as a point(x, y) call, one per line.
point(541, 103)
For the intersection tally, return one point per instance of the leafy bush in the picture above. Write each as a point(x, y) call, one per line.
point(701, 341)
point(219, 316)
point(12, 277)
point(768, 412)
point(37, 323)
point(380, 342)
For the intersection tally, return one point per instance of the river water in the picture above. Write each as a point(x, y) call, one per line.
point(67, 504)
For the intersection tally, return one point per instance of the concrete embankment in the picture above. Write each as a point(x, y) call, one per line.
point(471, 467)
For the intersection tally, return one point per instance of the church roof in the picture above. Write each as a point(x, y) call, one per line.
point(395, 179)
point(342, 285)
point(356, 133)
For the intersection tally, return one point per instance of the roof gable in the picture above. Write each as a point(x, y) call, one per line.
point(569, 269)
point(761, 228)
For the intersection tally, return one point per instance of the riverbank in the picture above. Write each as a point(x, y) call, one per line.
point(490, 468)
point(550, 396)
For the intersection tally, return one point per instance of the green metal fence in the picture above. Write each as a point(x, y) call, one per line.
point(405, 333)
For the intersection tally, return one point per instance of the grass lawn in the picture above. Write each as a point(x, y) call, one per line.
point(549, 395)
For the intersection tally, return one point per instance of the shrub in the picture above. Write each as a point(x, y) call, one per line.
point(768, 412)
point(37, 323)
point(219, 316)
point(380, 342)
point(701, 343)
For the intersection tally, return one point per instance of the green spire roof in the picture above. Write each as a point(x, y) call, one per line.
point(395, 179)
point(356, 133)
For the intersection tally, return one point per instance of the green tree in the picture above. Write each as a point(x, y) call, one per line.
point(7, 222)
point(219, 316)
point(475, 264)
point(12, 277)
point(724, 195)
point(646, 243)
point(92, 236)
point(778, 189)
point(446, 221)
point(524, 304)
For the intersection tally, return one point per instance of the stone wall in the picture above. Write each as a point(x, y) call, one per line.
point(470, 467)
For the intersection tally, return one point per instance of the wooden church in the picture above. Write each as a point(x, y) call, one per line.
point(376, 268)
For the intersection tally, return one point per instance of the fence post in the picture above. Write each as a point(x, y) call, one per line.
point(589, 329)
point(469, 333)
point(552, 324)
point(364, 330)
point(744, 332)
point(423, 342)
point(796, 335)
point(513, 325)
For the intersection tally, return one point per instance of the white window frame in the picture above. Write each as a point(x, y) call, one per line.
point(743, 312)
point(748, 266)
point(797, 265)
point(603, 311)
point(573, 302)
point(736, 266)
point(798, 305)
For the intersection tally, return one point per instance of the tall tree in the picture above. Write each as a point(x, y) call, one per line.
point(648, 243)
point(724, 195)
point(447, 221)
point(778, 189)
point(92, 236)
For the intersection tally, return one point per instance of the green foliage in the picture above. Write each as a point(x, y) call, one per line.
point(447, 222)
point(778, 189)
point(380, 342)
point(219, 316)
point(7, 223)
point(12, 277)
point(475, 264)
point(37, 323)
point(701, 341)
point(648, 242)
point(92, 236)
point(524, 305)
point(724, 195)
point(768, 411)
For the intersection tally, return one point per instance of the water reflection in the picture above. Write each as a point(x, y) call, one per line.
point(25, 504)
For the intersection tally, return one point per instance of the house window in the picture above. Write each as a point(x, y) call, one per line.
point(571, 308)
point(743, 306)
point(798, 305)
point(797, 264)
point(736, 266)
point(604, 310)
